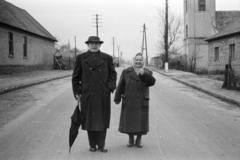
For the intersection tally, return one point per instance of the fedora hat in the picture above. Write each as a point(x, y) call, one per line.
point(94, 39)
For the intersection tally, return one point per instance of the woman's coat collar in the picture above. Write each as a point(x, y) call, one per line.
point(132, 73)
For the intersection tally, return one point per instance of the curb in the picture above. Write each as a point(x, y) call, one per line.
point(223, 98)
point(5, 90)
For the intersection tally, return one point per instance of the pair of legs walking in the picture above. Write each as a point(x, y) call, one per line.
point(97, 139)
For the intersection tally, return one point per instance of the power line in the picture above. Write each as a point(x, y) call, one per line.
point(70, 11)
point(82, 8)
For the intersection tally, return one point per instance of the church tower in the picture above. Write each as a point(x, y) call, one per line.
point(199, 22)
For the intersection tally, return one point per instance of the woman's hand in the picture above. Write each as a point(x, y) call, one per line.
point(140, 71)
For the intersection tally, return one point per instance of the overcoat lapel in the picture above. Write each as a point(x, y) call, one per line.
point(94, 64)
point(87, 59)
point(101, 60)
point(133, 74)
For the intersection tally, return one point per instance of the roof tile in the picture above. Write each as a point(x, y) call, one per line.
point(233, 27)
point(19, 18)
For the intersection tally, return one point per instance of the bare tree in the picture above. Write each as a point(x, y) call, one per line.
point(175, 32)
point(194, 57)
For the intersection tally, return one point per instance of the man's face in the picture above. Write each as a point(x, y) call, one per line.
point(94, 47)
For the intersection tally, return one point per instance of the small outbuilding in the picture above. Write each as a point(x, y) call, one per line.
point(24, 43)
point(224, 48)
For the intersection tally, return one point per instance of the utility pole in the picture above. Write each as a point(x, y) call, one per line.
point(144, 43)
point(97, 18)
point(118, 57)
point(121, 57)
point(68, 44)
point(166, 38)
point(113, 48)
point(75, 48)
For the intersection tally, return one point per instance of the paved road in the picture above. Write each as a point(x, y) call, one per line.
point(184, 124)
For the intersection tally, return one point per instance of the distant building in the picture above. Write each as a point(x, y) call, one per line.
point(24, 43)
point(157, 61)
point(116, 62)
point(201, 20)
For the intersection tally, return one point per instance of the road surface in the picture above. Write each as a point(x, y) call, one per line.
point(184, 125)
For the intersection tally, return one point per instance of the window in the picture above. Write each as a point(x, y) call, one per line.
point(10, 44)
point(24, 47)
point(216, 54)
point(232, 54)
point(202, 5)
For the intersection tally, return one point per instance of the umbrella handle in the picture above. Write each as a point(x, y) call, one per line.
point(79, 104)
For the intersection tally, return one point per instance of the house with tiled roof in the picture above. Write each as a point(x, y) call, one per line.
point(224, 47)
point(24, 43)
point(202, 21)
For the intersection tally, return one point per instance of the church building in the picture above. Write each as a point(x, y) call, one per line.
point(202, 21)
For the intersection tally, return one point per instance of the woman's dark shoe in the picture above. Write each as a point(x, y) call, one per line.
point(138, 143)
point(92, 149)
point(130, 143)
point(131, 140)
point(103, 149)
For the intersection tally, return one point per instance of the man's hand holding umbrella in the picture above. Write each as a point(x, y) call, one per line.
point(76, 121)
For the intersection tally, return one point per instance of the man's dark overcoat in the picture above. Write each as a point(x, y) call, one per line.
point(94, 81)
point(133, 89)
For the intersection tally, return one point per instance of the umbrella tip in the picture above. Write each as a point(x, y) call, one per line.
point(69, 149)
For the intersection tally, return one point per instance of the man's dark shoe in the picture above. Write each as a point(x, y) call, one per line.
point(139, 144)
point(92, 149)
point(103, 149)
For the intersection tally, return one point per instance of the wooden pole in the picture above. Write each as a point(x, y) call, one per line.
point(166, 38)
point(146, 44)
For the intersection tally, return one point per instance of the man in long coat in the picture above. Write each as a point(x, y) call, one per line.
point(93, 80)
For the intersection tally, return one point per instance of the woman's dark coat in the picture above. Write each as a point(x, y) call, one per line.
point(94, 81)
point(134, 92)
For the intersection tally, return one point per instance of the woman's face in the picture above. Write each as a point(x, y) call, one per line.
point(138, 61)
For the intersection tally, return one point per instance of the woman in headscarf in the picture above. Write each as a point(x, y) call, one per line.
point(133, 90)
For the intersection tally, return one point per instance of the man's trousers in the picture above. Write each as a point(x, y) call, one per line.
point(97, 138)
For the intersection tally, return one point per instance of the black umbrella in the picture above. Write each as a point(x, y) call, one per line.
point(76, 121)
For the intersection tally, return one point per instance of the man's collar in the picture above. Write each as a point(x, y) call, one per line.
point(98, 52)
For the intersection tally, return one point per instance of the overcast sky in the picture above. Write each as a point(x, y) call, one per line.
point(121, 19)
